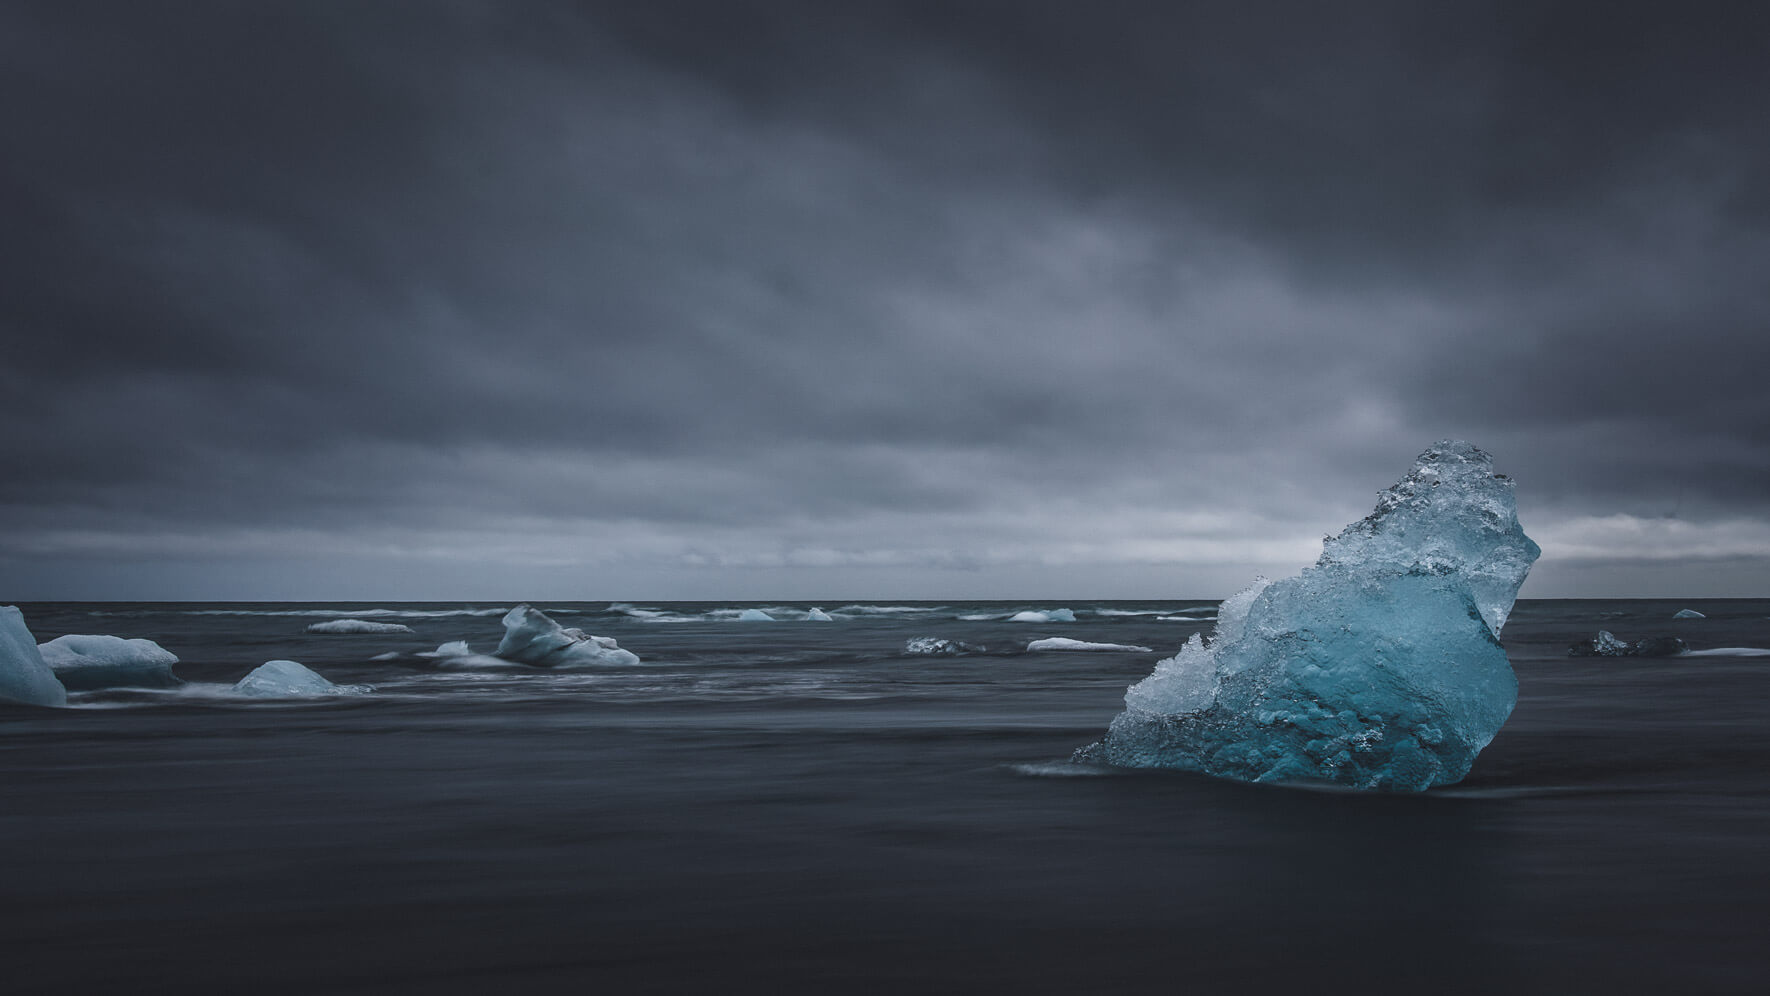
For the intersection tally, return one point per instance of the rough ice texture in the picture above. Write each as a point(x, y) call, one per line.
point(24, 675)
point(938, 646)
point(1380, 667)
point(754, 615)
point(1689, 614)
point(530, 637)
point(1607, 644)
point(289, 680)
point(818, 615)
point(1065, 643)
point(357, 626)
point(83, 663)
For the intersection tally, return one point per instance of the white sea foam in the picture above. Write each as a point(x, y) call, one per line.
point(1065, 643)
point(1728, 652)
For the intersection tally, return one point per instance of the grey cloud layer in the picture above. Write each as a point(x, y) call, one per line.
point(667, 290)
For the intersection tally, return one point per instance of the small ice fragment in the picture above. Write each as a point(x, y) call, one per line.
point(817, 615)
point(289, 680)
point(1688, 614)
point(1607, 644)
point(456, 648)
point(24, 676)
point(83, 663)
point(1064, 643)
point(1046, 616)
point(357, 626)
point(754, 615)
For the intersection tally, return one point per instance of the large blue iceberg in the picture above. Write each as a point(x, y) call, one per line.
point(1378, 668)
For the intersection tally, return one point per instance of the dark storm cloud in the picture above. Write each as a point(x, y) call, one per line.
point(667, 287)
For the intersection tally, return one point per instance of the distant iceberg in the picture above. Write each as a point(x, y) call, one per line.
point(84, 663)
point(290, 680)
point(818, 615)
point(1064, 643)
point(530, 637)
point(1048, 616)
point(357, 626)
point(1688, 614)
point(1380, 667)
point(24, 676)
point(754, 615)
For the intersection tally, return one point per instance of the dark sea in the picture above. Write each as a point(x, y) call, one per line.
point(798, 806)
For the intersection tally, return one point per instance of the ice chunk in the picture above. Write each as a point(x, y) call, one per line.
point(935, 646)
point(530, 637)
point(1689, 614)
point(1049, 616)
point(456, 648)
point(357, 626)
point(1064, 643)
point(83, 663)
point(24, 675)
point(1606, 644)
point(754, 615)
point(818, 615)
point(1379, 667)
point(289, 680)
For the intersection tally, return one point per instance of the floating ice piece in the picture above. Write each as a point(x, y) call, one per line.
point(1065, 643)
point(455, 648)
point(24, 675)
point(817, 615)
point(935, 646)
point(83, 663)
point(289, 680)
point(754, 615)
point(1380, 667)
point(530, 637)
point(1688, 614)
point(1606, 644)
point(357, 626)
point(1048, 616)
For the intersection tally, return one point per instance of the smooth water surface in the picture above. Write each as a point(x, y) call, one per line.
point(798, 806)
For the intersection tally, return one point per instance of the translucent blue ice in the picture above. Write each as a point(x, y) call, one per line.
point(290, 680)
point(24, 676)
point(1380, 667)
point(83, 663)
point(531, 637)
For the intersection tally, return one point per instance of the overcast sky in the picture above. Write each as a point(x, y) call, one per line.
point(853, 300)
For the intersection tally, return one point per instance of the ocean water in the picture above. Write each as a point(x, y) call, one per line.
point(800, 807)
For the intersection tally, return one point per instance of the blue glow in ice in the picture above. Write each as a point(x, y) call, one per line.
point(1380, 667)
